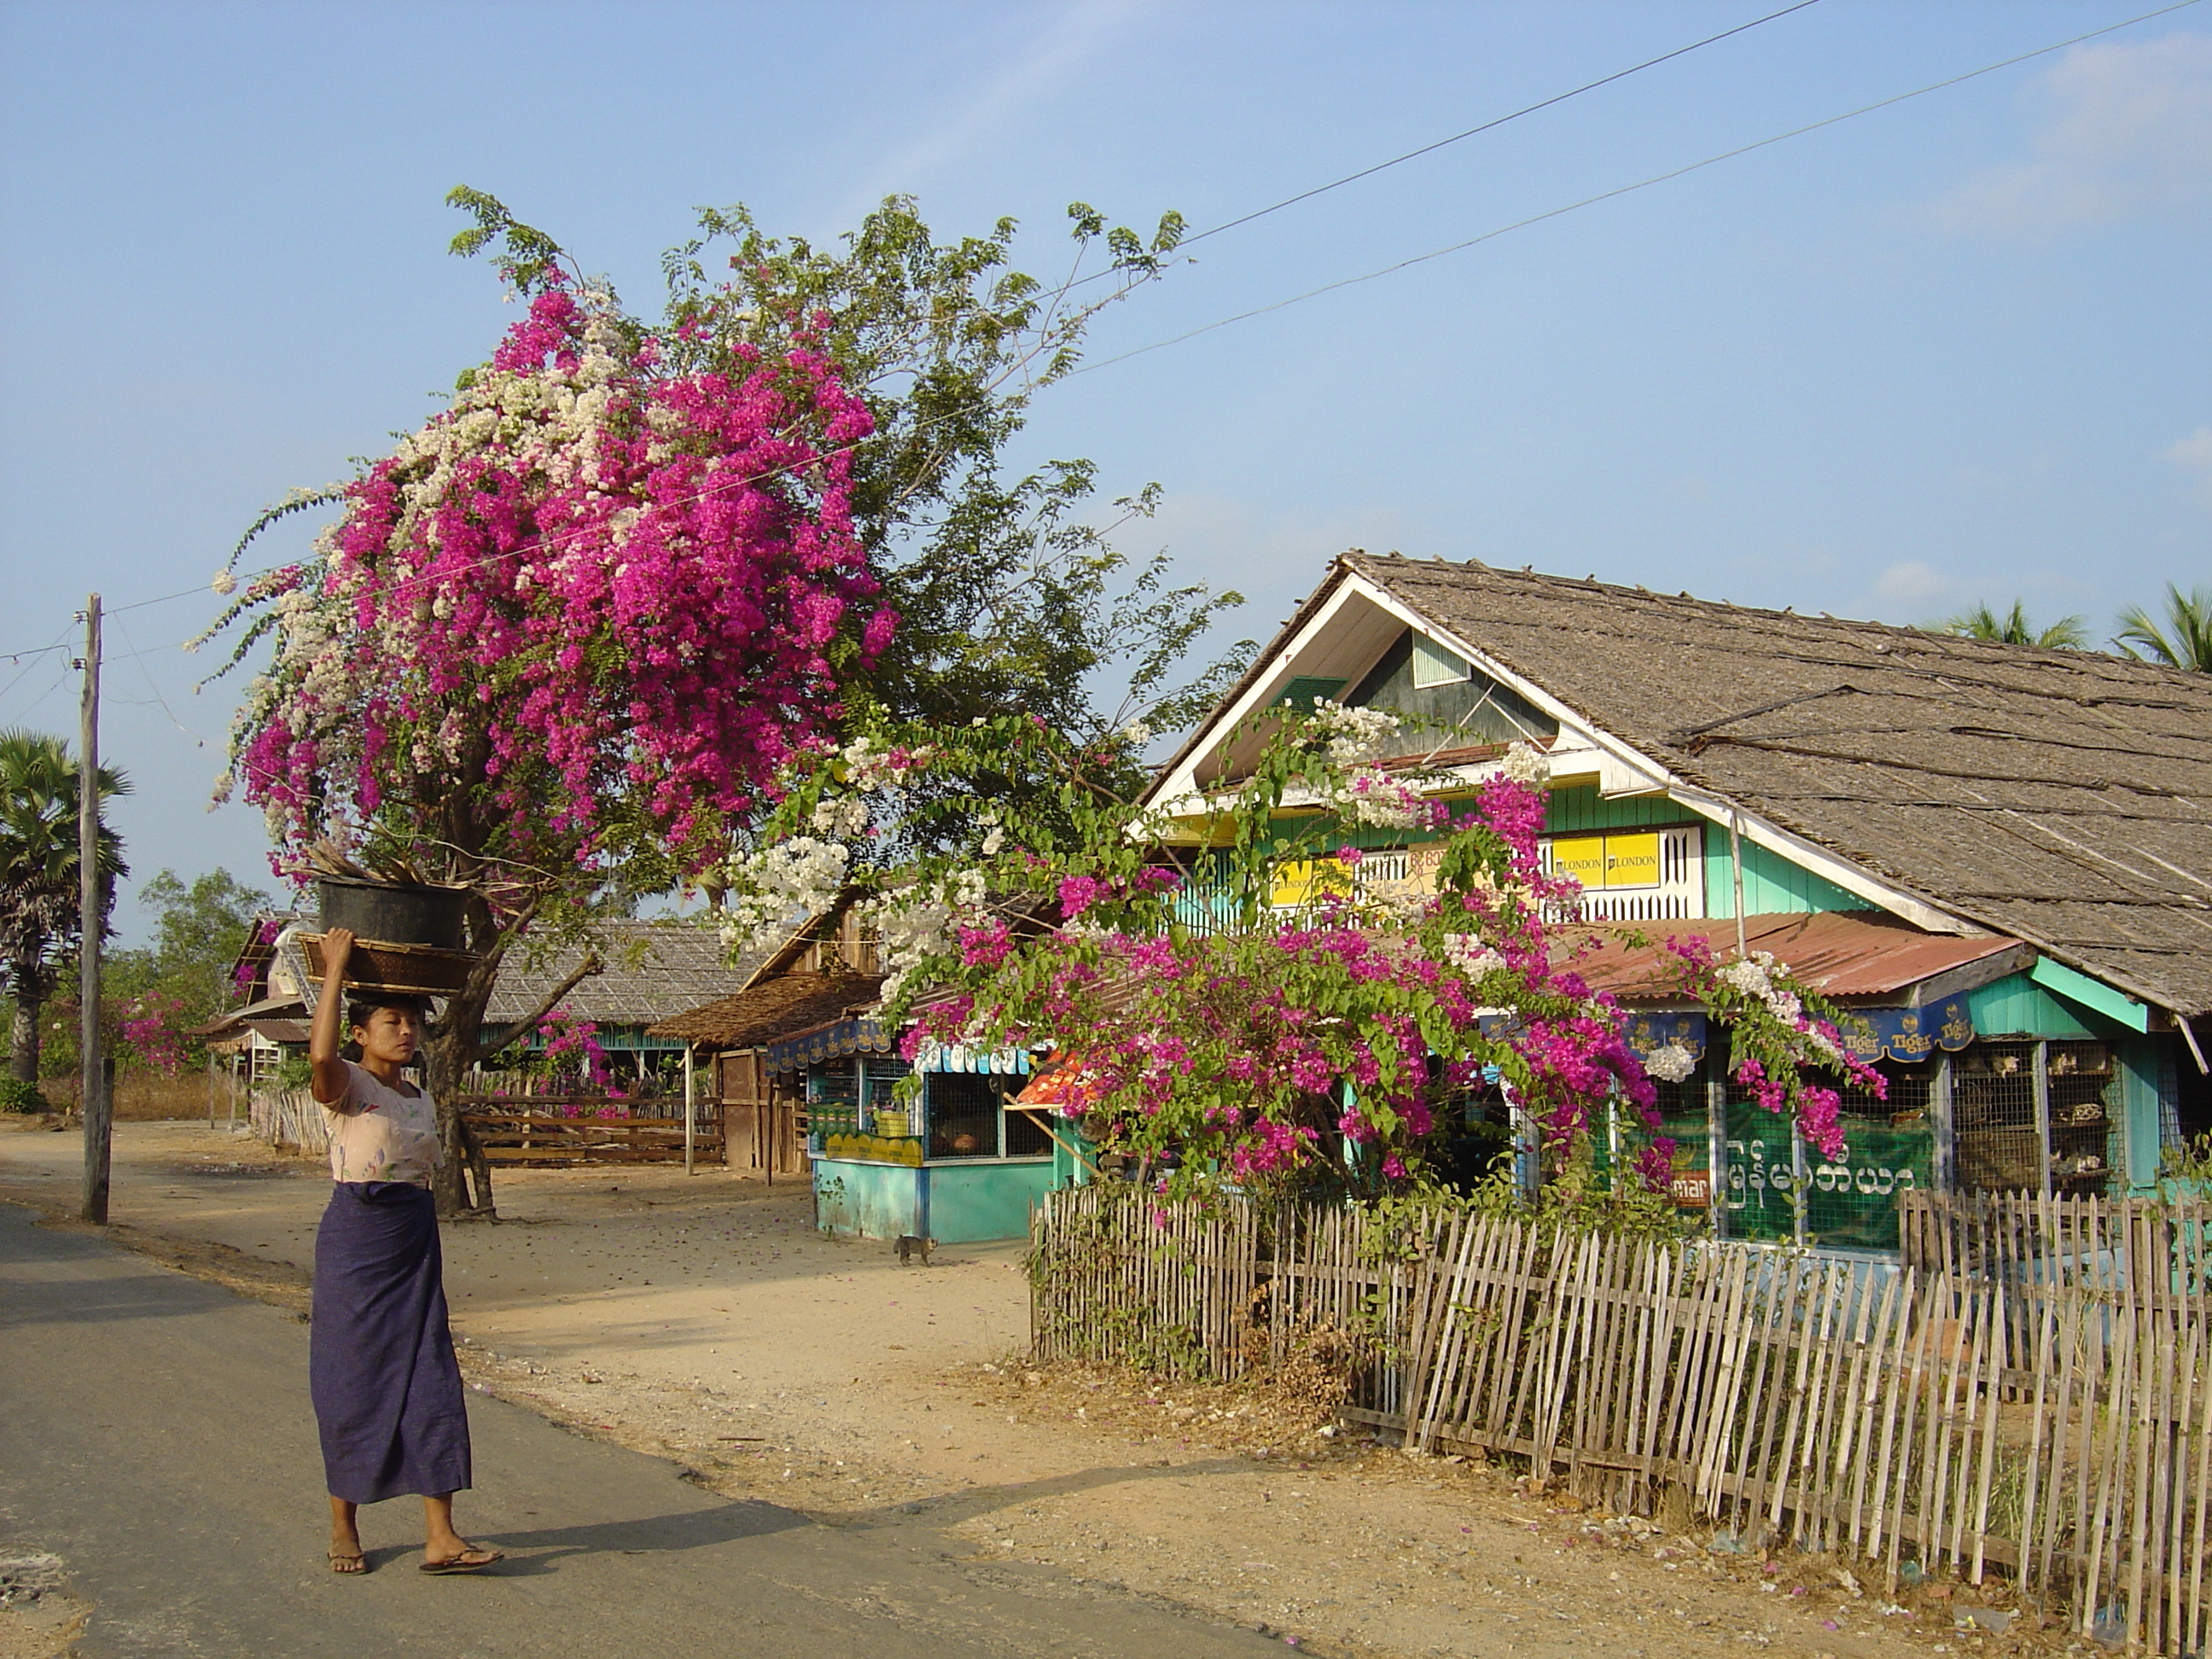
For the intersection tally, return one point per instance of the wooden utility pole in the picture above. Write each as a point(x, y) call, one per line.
point(691, 1108)
point(93, 1090)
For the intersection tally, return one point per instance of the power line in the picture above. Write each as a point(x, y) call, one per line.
point(1626, 190)
point(1308, 195)
point(559, 538)
point(1489, 125)
point(30, 660)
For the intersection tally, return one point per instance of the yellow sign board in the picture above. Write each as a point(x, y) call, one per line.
point(1631, 861)
point(1300, 881)
point(1596, 861)
point(1581, 857)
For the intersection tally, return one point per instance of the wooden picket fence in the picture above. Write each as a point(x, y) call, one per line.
point(2057, 1434)
point(289, 1118)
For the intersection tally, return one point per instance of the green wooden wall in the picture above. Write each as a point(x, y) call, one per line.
point(2016, 1005)
point(1574, 808)
point(1771, 885)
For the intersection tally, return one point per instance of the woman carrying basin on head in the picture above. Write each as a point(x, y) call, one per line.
point(380, 1365)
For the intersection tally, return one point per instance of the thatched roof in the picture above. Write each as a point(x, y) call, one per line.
point(653, 970)
point(773, 1008)
point(2063, 797)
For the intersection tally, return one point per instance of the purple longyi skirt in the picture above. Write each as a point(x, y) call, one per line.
point(380, 1365)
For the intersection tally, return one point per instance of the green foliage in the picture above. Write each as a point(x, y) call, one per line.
point(1216, 1026)
point(40, 883)
point(2181, 639)
point(18, 1096)
point(199, 928)
point(2013, 627)
point(294, 1071)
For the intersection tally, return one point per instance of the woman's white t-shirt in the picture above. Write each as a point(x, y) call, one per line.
point(377, 1133)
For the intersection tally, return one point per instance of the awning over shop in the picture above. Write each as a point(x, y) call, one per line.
point(958, 1057)
point(832, 1042)
point(1069, 1083)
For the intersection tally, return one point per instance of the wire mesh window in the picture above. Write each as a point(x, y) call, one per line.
point(963, 1115)
point(882, 1085)
point(1999, 1145)
point(1026, 1136)
point(1760, 1191)
point(2078, 1080)
point(1683, 1119)
point(1889, 1148)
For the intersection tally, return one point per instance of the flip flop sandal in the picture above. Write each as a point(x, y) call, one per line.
point(471, 1559)
point(335, 1557)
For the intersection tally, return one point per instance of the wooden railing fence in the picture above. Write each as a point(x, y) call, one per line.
point(536, 1129)
point(513, 1130)
point(2058, 1433)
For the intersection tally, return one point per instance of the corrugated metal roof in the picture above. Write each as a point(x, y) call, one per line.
point(1837, 953)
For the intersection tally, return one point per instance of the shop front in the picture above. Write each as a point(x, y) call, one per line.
point(954, 1161)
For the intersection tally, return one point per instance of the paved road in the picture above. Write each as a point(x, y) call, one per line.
point(155, 1433)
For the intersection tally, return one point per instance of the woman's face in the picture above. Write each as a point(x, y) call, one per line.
point(392, 1035)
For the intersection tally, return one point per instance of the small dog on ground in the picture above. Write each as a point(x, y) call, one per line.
point(910, 1247)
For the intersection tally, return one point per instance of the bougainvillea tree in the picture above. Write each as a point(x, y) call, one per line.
point(1215, 1031)
point(567, 630)
point(562, 634)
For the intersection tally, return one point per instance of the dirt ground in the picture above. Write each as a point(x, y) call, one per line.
point(705, 1321)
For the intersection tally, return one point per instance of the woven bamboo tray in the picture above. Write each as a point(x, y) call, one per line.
point(406, 969)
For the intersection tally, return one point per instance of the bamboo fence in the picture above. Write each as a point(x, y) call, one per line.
point(287, 1117)
point(1948, 1417)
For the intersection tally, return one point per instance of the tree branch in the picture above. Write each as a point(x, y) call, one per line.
point(584, 969)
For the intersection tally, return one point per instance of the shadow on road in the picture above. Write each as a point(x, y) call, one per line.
point(529, 1554)
point(957, 1507)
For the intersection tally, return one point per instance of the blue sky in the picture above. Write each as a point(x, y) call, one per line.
point(1955, 349)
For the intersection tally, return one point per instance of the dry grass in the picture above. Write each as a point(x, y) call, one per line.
point(148, 1099)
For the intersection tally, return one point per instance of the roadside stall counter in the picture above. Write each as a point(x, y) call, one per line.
point(954, 1163)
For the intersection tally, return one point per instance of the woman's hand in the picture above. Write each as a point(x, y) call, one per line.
point(332, 1081)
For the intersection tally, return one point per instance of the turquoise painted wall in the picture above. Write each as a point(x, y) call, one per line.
point(2146, 1065)
point(866, 1200)
point(951, 1203)
point(969, 1203)
point(1771, 885)
point(2016, 1005)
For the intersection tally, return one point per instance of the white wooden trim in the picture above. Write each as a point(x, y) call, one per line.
point(1179, 785)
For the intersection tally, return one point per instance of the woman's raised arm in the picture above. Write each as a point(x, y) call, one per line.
point(331, 1083)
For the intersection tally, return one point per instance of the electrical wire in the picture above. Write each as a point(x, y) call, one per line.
point(1490, 125)
point(1624, 190)
point(1335, 183)
point(30, 660)
point(747, 482)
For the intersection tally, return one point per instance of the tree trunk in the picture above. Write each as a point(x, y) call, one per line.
point(448, 1058)
point(23, 1035)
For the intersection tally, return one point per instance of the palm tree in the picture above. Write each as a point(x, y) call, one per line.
point(2067, 634)
point(39, 915)
point(2189, 643)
